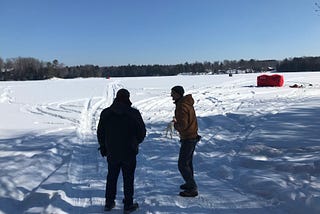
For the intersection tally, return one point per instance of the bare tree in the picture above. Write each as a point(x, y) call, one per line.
point(55, 63)
point(9, 64)
point(26, 68)
point(317, 6)
point(1, 64)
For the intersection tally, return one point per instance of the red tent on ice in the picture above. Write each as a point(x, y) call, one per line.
point(275, 80)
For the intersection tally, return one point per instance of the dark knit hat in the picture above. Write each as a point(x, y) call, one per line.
point(178, 89)
point(123, 96)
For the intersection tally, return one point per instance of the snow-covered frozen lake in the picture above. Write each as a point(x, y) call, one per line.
point(259, 153)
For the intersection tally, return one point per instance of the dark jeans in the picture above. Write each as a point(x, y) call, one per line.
point(128, 168)
point(185, 164)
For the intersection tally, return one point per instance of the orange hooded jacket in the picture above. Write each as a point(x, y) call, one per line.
point(186, 121)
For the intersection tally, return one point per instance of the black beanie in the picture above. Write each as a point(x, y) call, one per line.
point(123, 96)
point(178, 89)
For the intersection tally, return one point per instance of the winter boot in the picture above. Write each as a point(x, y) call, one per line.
point(189, 193)
point(109, 205)
point(131, 208)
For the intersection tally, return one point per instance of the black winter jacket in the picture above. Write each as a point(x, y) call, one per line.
point(120, 131)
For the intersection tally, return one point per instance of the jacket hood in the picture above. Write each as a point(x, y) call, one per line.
point(188, 100)
point(120, 107)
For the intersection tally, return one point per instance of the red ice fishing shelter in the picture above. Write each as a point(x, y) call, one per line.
point(275, 80)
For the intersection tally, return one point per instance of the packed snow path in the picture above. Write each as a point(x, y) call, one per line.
point(254, 156)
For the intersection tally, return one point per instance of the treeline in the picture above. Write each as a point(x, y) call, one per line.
point(33, 69)
point(299, 64)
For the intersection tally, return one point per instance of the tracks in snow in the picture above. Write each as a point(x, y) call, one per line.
point(82, 114)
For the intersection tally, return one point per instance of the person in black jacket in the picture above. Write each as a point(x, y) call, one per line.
point(120, 131)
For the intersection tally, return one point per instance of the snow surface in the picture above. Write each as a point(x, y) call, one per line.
point(259, 153)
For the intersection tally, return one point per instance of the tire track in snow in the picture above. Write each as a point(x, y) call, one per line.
point(44, 110)
point(89, 114)
point(156, 109)
point(81, 113)
point(56, 111)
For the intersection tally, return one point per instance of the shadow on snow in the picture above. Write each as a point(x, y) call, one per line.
point(66, 172)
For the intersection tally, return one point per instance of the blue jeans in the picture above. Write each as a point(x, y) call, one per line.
point(185, 164)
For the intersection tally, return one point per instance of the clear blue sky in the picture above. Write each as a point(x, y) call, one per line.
point(121, 32)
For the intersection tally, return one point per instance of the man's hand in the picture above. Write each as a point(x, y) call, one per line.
point(174, 120)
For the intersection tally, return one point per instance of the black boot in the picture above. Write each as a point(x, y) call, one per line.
point(109, 205)
point(189, 193)
point(131, 208)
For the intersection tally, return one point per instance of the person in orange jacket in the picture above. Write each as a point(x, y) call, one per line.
point(185, 122)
